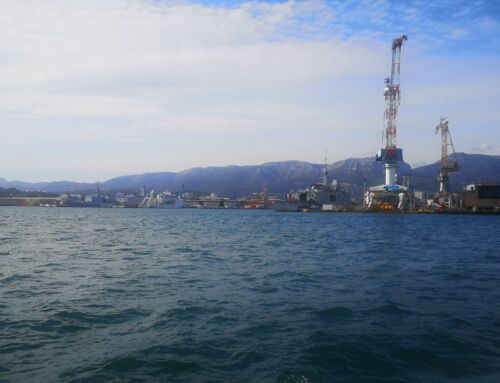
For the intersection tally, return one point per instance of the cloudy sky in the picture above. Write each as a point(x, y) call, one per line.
point(93, 89)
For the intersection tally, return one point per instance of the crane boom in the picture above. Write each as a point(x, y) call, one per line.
point(391, 155)
point(447, 165)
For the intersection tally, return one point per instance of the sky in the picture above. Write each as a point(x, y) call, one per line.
point(94, 89)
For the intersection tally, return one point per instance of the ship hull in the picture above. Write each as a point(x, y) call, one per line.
point(176, 205)
point(290, 206)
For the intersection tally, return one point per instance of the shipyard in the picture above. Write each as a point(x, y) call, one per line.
point(250, 191)
point(397, 194)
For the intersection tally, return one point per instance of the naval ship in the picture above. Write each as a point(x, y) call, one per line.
point(164, 200)
point(316, 197)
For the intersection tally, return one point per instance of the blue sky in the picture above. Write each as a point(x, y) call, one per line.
point(100, 88)
point(444, 27)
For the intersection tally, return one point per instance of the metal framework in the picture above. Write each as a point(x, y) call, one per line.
point(391, 155)
point(447, 165)
point(325, 171)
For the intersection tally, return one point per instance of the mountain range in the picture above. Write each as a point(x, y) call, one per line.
point(280, 177)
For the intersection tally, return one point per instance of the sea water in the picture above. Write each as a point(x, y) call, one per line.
point(139, 295)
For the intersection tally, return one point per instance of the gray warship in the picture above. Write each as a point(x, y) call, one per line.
point(318, 196)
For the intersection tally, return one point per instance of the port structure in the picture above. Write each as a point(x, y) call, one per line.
point(324, 180)
point(391, 154)
point(447, 165)
point(390, 195)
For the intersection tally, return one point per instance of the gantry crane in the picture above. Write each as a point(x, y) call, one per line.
point(447, 165)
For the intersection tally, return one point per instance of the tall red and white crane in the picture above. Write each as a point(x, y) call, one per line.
point(391, 154)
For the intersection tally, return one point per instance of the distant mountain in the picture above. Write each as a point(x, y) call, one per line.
point(473, 168)
point(12, 192)
point(355, 170)
point(51, 187)
point(281, 177)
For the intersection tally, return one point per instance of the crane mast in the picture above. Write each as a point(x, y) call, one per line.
point(447, 165)
point(391, 155)
point(325, 171)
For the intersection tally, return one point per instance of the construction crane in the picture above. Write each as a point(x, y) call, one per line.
point(391, 155)
point(324, 180)
point(447, 165)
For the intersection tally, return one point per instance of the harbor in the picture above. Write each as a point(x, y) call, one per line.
point(396, 195)
point(250, 191)
point(480, 198)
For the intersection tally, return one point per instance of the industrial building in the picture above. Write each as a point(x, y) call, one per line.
point(481, 197)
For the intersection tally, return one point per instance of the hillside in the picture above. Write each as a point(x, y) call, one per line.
point(50, 187)
point(280, 177)
point(12, 192)
point(473, 168)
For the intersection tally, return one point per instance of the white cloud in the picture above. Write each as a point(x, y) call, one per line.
point(458, 33)
point(485, 148)
point(171, 85)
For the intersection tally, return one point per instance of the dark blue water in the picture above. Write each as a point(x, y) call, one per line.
point(98, 295)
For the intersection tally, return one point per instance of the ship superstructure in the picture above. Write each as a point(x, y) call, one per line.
point(164, 200)
point(316, 197)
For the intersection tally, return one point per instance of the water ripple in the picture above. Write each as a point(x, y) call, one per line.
point(140, 295)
